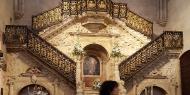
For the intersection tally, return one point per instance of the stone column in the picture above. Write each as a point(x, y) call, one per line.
point(176, 79)
point(162, 13)
point(11, 85)
point(2, 66)
point(55, 85)
point(79, 83)
point(1, 80)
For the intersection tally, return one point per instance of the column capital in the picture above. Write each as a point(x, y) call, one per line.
point(11, 80)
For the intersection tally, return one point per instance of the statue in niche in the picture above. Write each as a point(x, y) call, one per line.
point(91, 66)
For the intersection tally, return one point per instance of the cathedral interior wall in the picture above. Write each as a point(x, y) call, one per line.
point(6, 16)
point(164, 74)
point(179, 19)
point(18, 76)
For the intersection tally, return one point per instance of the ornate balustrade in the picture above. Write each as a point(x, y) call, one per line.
point(167, 41)
point(43, 50)
point(48, 18)
point(78, 7)
point(15, 37)
point(139, 23)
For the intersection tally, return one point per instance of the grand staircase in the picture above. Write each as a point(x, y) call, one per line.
point(21, 37)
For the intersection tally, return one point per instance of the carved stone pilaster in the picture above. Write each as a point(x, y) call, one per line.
point(162, 12)
point(174, 54)
point(122, 88)
point(18, 9)
point(55, 85)
point(10, 83)
point(2, 64)
point(79, 83)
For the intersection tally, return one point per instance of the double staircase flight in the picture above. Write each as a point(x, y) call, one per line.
point(19, 37)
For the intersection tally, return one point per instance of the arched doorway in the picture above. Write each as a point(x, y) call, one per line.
point(154, 90)
point(34, 89)
point(185, 70)
point(92, 64)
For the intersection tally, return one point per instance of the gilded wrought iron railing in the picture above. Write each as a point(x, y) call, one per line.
point(16, 35)
point(47, 18)
point(147, 54)
point(43, 50)
point(138, 23)
point(77, 7)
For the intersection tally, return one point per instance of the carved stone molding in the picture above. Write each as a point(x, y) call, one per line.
point(174, 54)
point(95, 34)
point(155, 75)
point(33, 72)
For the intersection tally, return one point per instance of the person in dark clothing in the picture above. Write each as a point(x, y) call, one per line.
point(109, 88)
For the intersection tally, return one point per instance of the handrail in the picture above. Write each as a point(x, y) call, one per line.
point(169, 40)
point(43, 50)
point(47, 18)
point(78, 7)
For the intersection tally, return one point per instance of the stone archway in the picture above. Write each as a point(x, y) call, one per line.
point(153, 90)
point(185, 70)
point(93, 64)
point(34, 89)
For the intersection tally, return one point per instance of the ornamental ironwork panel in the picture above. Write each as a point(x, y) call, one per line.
point(15, 35)
point(91, 5)
point(77, 7)
point(123, 10)
point(47, 19)
point(65, 8)
point(102, 5)
point(116, 10)
point(74, 8)
point(173, 40)
point(139, 24)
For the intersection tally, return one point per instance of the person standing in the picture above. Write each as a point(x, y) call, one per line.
point(109, 87)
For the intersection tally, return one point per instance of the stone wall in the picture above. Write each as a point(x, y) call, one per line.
point(6, 15)
point(163, 74)
point(34, 7)
point(179, 19)
point(21, 73)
